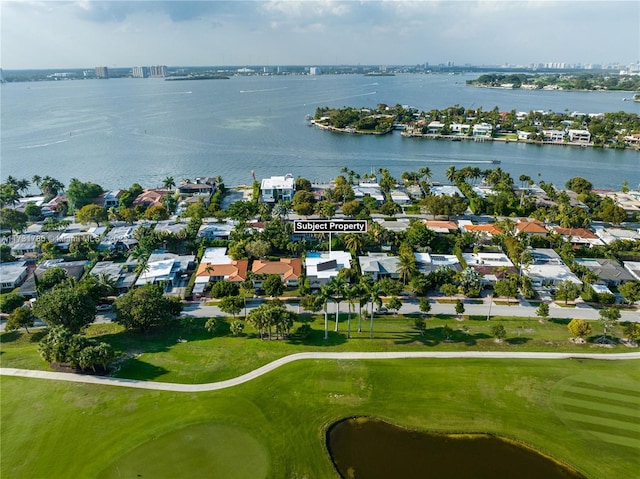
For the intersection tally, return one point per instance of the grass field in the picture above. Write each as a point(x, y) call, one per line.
point(583, 413)
point(160, 356)
point(275, 426)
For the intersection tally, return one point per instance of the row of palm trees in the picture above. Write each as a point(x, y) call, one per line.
point(366, 291)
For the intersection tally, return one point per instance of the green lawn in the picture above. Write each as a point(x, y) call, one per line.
point(275, 425)
point(194, 356)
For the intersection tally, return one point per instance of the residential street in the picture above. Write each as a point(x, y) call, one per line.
point(581, 310)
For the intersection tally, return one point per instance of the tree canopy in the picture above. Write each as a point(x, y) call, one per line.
point(145, 307)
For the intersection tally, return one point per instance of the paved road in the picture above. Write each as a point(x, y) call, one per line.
point(191, 388)
point(410, 306)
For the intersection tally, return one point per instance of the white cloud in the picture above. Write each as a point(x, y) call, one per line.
point(87, 32)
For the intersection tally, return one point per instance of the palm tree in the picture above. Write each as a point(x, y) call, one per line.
point(168, 183)
point(108, 284)
point(337, 286)
point(350, 293)
point(425, 171)
point(451, 173)
point(37, 180)
point(372, 293)
point(325, 294)
point(407, 264)
point(354, 242)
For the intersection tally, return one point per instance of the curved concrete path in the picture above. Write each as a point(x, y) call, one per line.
point(159, 386)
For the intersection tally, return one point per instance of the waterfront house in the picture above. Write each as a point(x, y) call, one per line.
point(435, 127)
point(482, 130)
point(201, 186)
point(109, 199)
point(579, 136)
point(368, 189)
point(554, 136)
point(524, 135)
point(289, 270)
point(460, 129)
point(277, 188)
point(445, 190)
point(150, 197)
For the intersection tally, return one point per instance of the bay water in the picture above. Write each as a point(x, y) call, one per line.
point(120, 131)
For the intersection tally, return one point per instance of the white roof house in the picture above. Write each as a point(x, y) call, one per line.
point(321, 267)
point(122, 273)
point(608, 235)
point(12, 274)
point(633, 267)
point(482, 130)
point(445, 190)
point(277, 188)
point(548, 269)
point(379, 265)
point(368, 189)
point(579, 136)
point(428, 262)
point(400, 197)
point(164, 267)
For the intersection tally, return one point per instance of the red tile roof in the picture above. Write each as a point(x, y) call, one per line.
point(289, 268)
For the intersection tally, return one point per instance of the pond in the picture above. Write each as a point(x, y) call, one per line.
point(364, 448)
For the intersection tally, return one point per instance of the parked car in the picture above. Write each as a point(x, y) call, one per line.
point(103, 307)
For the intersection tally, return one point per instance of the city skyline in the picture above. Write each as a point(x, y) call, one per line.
point(53, 34)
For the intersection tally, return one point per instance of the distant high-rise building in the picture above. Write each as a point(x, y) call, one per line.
point(102, 72)
point(139, 72)
point(157, 71)
point(315, 71)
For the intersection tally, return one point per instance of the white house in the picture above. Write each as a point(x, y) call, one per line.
point(428, 262)
point(482, 130)
point(321, 267)
point(554, 135)
point(548, 269)
point(12, 274)
point(579, 136)
point(277, 188)
point(459, 128)
point(379, 265)
point(434, 127)
point(368, 189)
point(167, 267)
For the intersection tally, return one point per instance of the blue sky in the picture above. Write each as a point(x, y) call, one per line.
point(86, 33)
